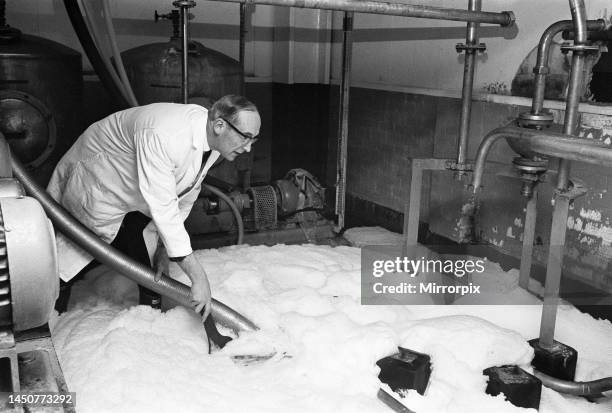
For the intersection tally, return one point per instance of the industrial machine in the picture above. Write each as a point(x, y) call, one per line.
point(28, 290)
point(288, 210)
point(154, 70)
point(40, 98)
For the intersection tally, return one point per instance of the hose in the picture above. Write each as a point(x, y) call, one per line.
point(76, 18)
point(110, 30)
point(118, 261)
point(575, 388)
point(233, 207)
point(88, 16)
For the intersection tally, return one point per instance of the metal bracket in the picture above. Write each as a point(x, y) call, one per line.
point(462, 167)
point(470, 48)
point(8, 350)
point(541, 70)
point(576, 190)
point(578, 48)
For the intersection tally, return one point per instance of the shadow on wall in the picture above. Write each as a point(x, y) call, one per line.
point(557, 79)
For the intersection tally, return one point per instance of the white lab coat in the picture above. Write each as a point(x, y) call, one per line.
point(138, 159)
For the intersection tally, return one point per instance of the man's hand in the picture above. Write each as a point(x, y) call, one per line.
point(201, 296)
point(161, 263)
point(200, 287)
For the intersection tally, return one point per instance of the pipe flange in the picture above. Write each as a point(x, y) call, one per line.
point(462, 47)
point(535, 121)
point(579, 48)
point(184, 3)
point(530, 166)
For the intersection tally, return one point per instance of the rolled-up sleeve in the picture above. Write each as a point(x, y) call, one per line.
point(157, 184)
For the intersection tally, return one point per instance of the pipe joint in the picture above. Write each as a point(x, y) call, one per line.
point(510, 18)
point(579, 48)
point(535, 120)
point(184, 3)
point(470, 48)
point(575, 189)
point(541, 70)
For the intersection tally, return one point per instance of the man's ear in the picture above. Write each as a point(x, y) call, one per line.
point(218, 125)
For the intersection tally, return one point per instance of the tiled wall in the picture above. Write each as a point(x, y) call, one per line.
point(387, 129)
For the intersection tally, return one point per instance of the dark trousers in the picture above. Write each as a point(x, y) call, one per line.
point(129, 240)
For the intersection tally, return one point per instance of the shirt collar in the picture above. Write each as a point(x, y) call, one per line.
point(200, 138)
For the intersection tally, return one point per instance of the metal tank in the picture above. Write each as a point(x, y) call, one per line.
point(155, 74)
point(154, 71)
point(41, 91)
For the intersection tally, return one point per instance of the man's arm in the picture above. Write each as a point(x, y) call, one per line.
point(200, 287)
point(158, 187)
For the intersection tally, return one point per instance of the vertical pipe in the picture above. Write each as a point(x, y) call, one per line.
point(347, 46)
point(5, 159)
point(243, 31)
point(185, 39)
point(553, 271)
point(574, 87)
point(241, 43)
point(559, 222)
point(571, 123)
point(471, 39)
point(412, 211)
point(528, 238)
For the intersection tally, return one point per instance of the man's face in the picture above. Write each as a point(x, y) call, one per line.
point(237, 137)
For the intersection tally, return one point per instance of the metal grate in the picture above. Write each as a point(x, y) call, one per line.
point(264, 206)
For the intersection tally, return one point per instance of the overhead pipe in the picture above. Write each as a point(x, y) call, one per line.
point(106, 254)
point(602, 35)
point(541, 69)
point(533, 142)
point(575, 388)
point(76, 18)
point(504, 18)
point(471, 48)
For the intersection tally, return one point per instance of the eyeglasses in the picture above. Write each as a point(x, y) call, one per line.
point(248, 140)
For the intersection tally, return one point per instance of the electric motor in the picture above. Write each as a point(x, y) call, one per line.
point(29, 284)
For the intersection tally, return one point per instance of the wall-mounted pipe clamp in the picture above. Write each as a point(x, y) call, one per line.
point(470, 48)
point(579, 48)
point(452, 165)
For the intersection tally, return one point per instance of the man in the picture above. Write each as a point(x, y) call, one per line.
point(146, 163)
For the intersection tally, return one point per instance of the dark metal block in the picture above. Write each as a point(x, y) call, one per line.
point(557, 361)
point(405, 370)
point(520, 388)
